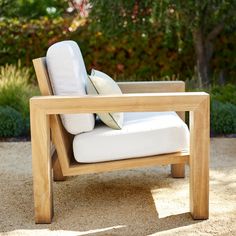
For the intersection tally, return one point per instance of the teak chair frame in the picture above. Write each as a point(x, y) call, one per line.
point(46, 126)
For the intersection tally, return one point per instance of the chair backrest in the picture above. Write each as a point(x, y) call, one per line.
point(60, 137)
point(62, 72)
point(68, 76)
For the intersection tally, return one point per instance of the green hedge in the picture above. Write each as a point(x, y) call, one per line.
point(223, 118)
point(224, 94)
point(15, 91)
point(134, 58)
point(131, 57)
point(27, 39)
point(11, 122)
point(223, 109)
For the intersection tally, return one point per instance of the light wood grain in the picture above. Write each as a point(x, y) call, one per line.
point(60, 138)
point(175, 100)
point(179, 157)
point(178, 170)
point(142, 102)
point(152, 87)
point(199, 160)
point(41, 165)
point(136, 102)
point(197, 103)
point(57, 171)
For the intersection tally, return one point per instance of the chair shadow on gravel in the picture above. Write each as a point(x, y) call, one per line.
point(104, 204)
point(124, 205)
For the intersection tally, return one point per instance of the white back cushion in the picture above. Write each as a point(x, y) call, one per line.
point(68, 77)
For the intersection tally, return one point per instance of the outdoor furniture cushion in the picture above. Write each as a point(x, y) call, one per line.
point(143, 134)
point(101, 83)
point(68, 76)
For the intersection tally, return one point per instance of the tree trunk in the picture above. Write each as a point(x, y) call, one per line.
point(203, 51)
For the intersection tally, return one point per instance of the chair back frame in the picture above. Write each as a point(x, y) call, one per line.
point(60, 137)
point(63, 140)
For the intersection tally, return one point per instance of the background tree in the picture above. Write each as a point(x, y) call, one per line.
point(196, 21)
point(205, 20)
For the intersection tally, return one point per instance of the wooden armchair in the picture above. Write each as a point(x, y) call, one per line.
point(46, 127)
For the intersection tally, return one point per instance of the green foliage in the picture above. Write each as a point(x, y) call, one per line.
point(27, 39)
point(133, 57)
point(223, 118)
point(15, 91)
point(11, 122)
point(32, 9)
point(223, 60)
point(16, 73)
point(197, 23)
point(224, 94)
point(125, 16)
point(14, 88)
point(168, 15)
point(223, 109)
point(129, 40)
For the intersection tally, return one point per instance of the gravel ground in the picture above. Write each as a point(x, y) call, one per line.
point(145, 201)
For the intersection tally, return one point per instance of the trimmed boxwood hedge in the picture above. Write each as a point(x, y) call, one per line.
point(223, 118)
point(11, 122)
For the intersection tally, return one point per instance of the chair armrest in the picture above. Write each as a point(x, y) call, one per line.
point(186, 101)
point(152, 86)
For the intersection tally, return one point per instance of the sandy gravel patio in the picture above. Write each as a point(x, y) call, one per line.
point(143, 201)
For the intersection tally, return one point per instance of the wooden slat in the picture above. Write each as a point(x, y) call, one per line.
point(40, 67)
point(176, 158)
point(152, 87)
point(41, 165)
point(56, 166)
point(187, 101)
point(199, 160)
point(178, 170)
point(60, 138)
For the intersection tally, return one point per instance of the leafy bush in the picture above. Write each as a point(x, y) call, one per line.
point(225, 93)
point(130, 57)
point(32, 8)
point(11, 122)
point(223, 117)
point(27, 39)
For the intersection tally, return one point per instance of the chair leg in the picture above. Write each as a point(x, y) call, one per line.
point(199, 161)
point(43, 199)
point(57, 171)
point(178, 170)
point(42, 167)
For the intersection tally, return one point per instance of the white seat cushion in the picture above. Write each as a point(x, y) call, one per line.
point(143, 134)
point(68, 76)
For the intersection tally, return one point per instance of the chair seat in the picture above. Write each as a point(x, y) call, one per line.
point(143, 134)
